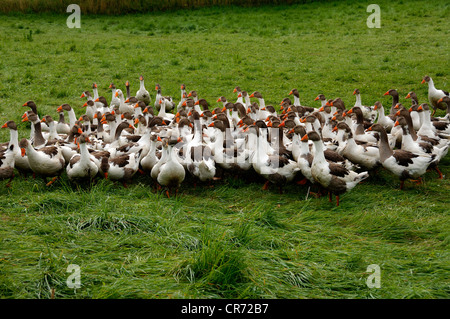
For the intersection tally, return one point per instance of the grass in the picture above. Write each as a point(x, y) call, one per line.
point(233, 240)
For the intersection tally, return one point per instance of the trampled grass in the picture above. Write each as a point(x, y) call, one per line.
point(233, 240)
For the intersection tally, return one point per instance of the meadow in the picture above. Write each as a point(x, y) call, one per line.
point(232, 240)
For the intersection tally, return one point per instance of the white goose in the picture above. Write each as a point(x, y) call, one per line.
point(82, 166)
point(142, 94)
point(434, 94)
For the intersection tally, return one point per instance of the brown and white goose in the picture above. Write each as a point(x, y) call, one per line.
point(7, 160)
point(81, 166)
point(404, 164)
point(20, 162)
point(47, 161)
point(33, 108)
point(335, 178)
point(434, 95)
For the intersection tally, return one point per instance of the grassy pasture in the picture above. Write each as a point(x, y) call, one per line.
point(234, 240)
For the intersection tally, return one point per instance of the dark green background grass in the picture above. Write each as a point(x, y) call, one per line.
point(233, 240)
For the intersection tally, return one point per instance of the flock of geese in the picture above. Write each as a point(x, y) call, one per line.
point(330, 148)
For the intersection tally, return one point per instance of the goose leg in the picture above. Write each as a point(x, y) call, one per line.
point(439, 172)
point(52, 181)
point(266, 185)
point(329, 197)
point(401, 184)
point(168, 194)
point(337, 200)
point(9, 182)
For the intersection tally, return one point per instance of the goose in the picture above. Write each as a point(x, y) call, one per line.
point(82, 166)
point(7, 159)
point(115, 102)
point(395, 100)
point(404, 164)
point(276, 169)
point(437, 129)
point(158, 96)
point(418, 147)
point(301, 152)
point(103, 108)
point(142, 94)
point(121, 168)
point(368, 113)
point(359, 132)
point(72, 117)
point(366, 156)
point(261, 105)
point(183, 96)
point(91, 108)
point(296, 95)
point(47, 161)
point(335, 178)
point(414, 115)
point(434, 95)
point(98, 104)
point(445, 99)
point(62, 127)
point(123, 107)
point(194, 95)
point(38, 139)
point(168, 117)
point(171, 173)
point(20, 162)
point(322, 99)
point(152, 157)
point(52, 134)
point(33, 108)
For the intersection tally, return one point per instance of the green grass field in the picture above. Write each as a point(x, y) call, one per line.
point(233, 240)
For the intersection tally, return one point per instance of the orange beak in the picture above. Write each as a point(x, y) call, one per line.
point(163, 123)
point(349, 112)
point(369, 129)
point(136, 105)
point(239, 95)
point(211, 125)
point(397, 114)
point(59, 109)
point(269, 124)
point(321, 109)
point(316, 98)
point(333, 118)
point(197, 103)
point(127, 100)
point(131, 126)
point(234, 91)
point(117, 94)
point(218, 100)
point(184, 103)
point(106, 175)
point(420, 108)
point(145, 110)
point(97, 100)
point(136, 121)
point(440, 100)
point(25, 119)
point(22, 152)
point(252, 95)
point(387, 93)
point(80, 131)
point(156, 88)
point(141, 78)
point(43, 119)
point(291, 131)
point(4, 125)
point(375, 107)
point(110, 86)
point(396, 123)
point(224, 109)
point(190, 94)
point(179, 140)
point(334, 129)
point(25, 104)
point(423, 81)
point(82, 95)
point(85, 104)
point(160, 101)
point(408, 96)
point(304, 138)
point(290, 93)
point(159, 139)
point(282, 124)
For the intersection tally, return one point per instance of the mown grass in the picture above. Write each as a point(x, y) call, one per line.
point(233, 240)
